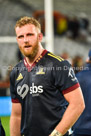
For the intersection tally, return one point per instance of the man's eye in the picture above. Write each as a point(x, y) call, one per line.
point(21, 36)
point(29, 34)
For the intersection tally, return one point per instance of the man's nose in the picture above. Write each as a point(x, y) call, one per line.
point(26, 39)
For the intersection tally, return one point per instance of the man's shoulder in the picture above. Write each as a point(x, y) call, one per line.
point(56, 61)
point(19, 64)
point(17, 67)
point(54, 58)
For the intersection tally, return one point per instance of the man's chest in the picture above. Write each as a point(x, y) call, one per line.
point(35, 82)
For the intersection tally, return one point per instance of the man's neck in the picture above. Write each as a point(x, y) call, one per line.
point(31, 61)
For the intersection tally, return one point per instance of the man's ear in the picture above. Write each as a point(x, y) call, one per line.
point(40, 37)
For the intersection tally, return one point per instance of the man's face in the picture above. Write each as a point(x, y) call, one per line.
point(28, 38)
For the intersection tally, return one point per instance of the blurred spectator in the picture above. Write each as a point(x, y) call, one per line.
point(83, 125)
point(57, 17)
point(77, 63)
point(73, 27)
point(84, 24)
point(65, 55)
point(39, 15)
point(62, 26)
point(60, 21)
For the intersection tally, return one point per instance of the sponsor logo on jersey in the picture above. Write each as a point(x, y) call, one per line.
point(19, 77)
point(40, 72)
point(34, 90)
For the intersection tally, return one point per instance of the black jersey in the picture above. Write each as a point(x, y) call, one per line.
point(40, 90)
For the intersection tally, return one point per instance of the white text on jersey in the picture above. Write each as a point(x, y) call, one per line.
point(34, 90)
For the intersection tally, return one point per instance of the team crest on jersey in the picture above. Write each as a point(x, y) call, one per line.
point(40, 72)
point(19, 77)
point(72, 74)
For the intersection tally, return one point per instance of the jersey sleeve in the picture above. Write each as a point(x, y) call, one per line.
point(13, 93)
point(65, 78)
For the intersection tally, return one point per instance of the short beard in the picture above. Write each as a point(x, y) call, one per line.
point(33, 53)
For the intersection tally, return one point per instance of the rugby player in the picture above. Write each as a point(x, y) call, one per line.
point(46, 96)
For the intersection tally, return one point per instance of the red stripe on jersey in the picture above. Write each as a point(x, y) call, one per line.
point(15, 101)
point(44, 52)
point(71, 88)
point(30, 67)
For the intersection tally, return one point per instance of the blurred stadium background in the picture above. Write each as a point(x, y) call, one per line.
point(71, 37)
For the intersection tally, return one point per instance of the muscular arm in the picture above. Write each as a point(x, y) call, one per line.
point(73, 111)
point(15, 119)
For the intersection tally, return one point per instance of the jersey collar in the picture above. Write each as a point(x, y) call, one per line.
point(36, 61)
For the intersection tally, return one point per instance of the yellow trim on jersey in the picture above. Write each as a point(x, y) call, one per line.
point(57, 57)
point(60, 58)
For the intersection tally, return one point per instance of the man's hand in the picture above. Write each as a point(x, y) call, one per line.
point(55, 133)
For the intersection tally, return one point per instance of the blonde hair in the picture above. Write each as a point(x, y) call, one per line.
point(27, 20)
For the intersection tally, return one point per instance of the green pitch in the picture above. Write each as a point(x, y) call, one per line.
point(5, 123)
